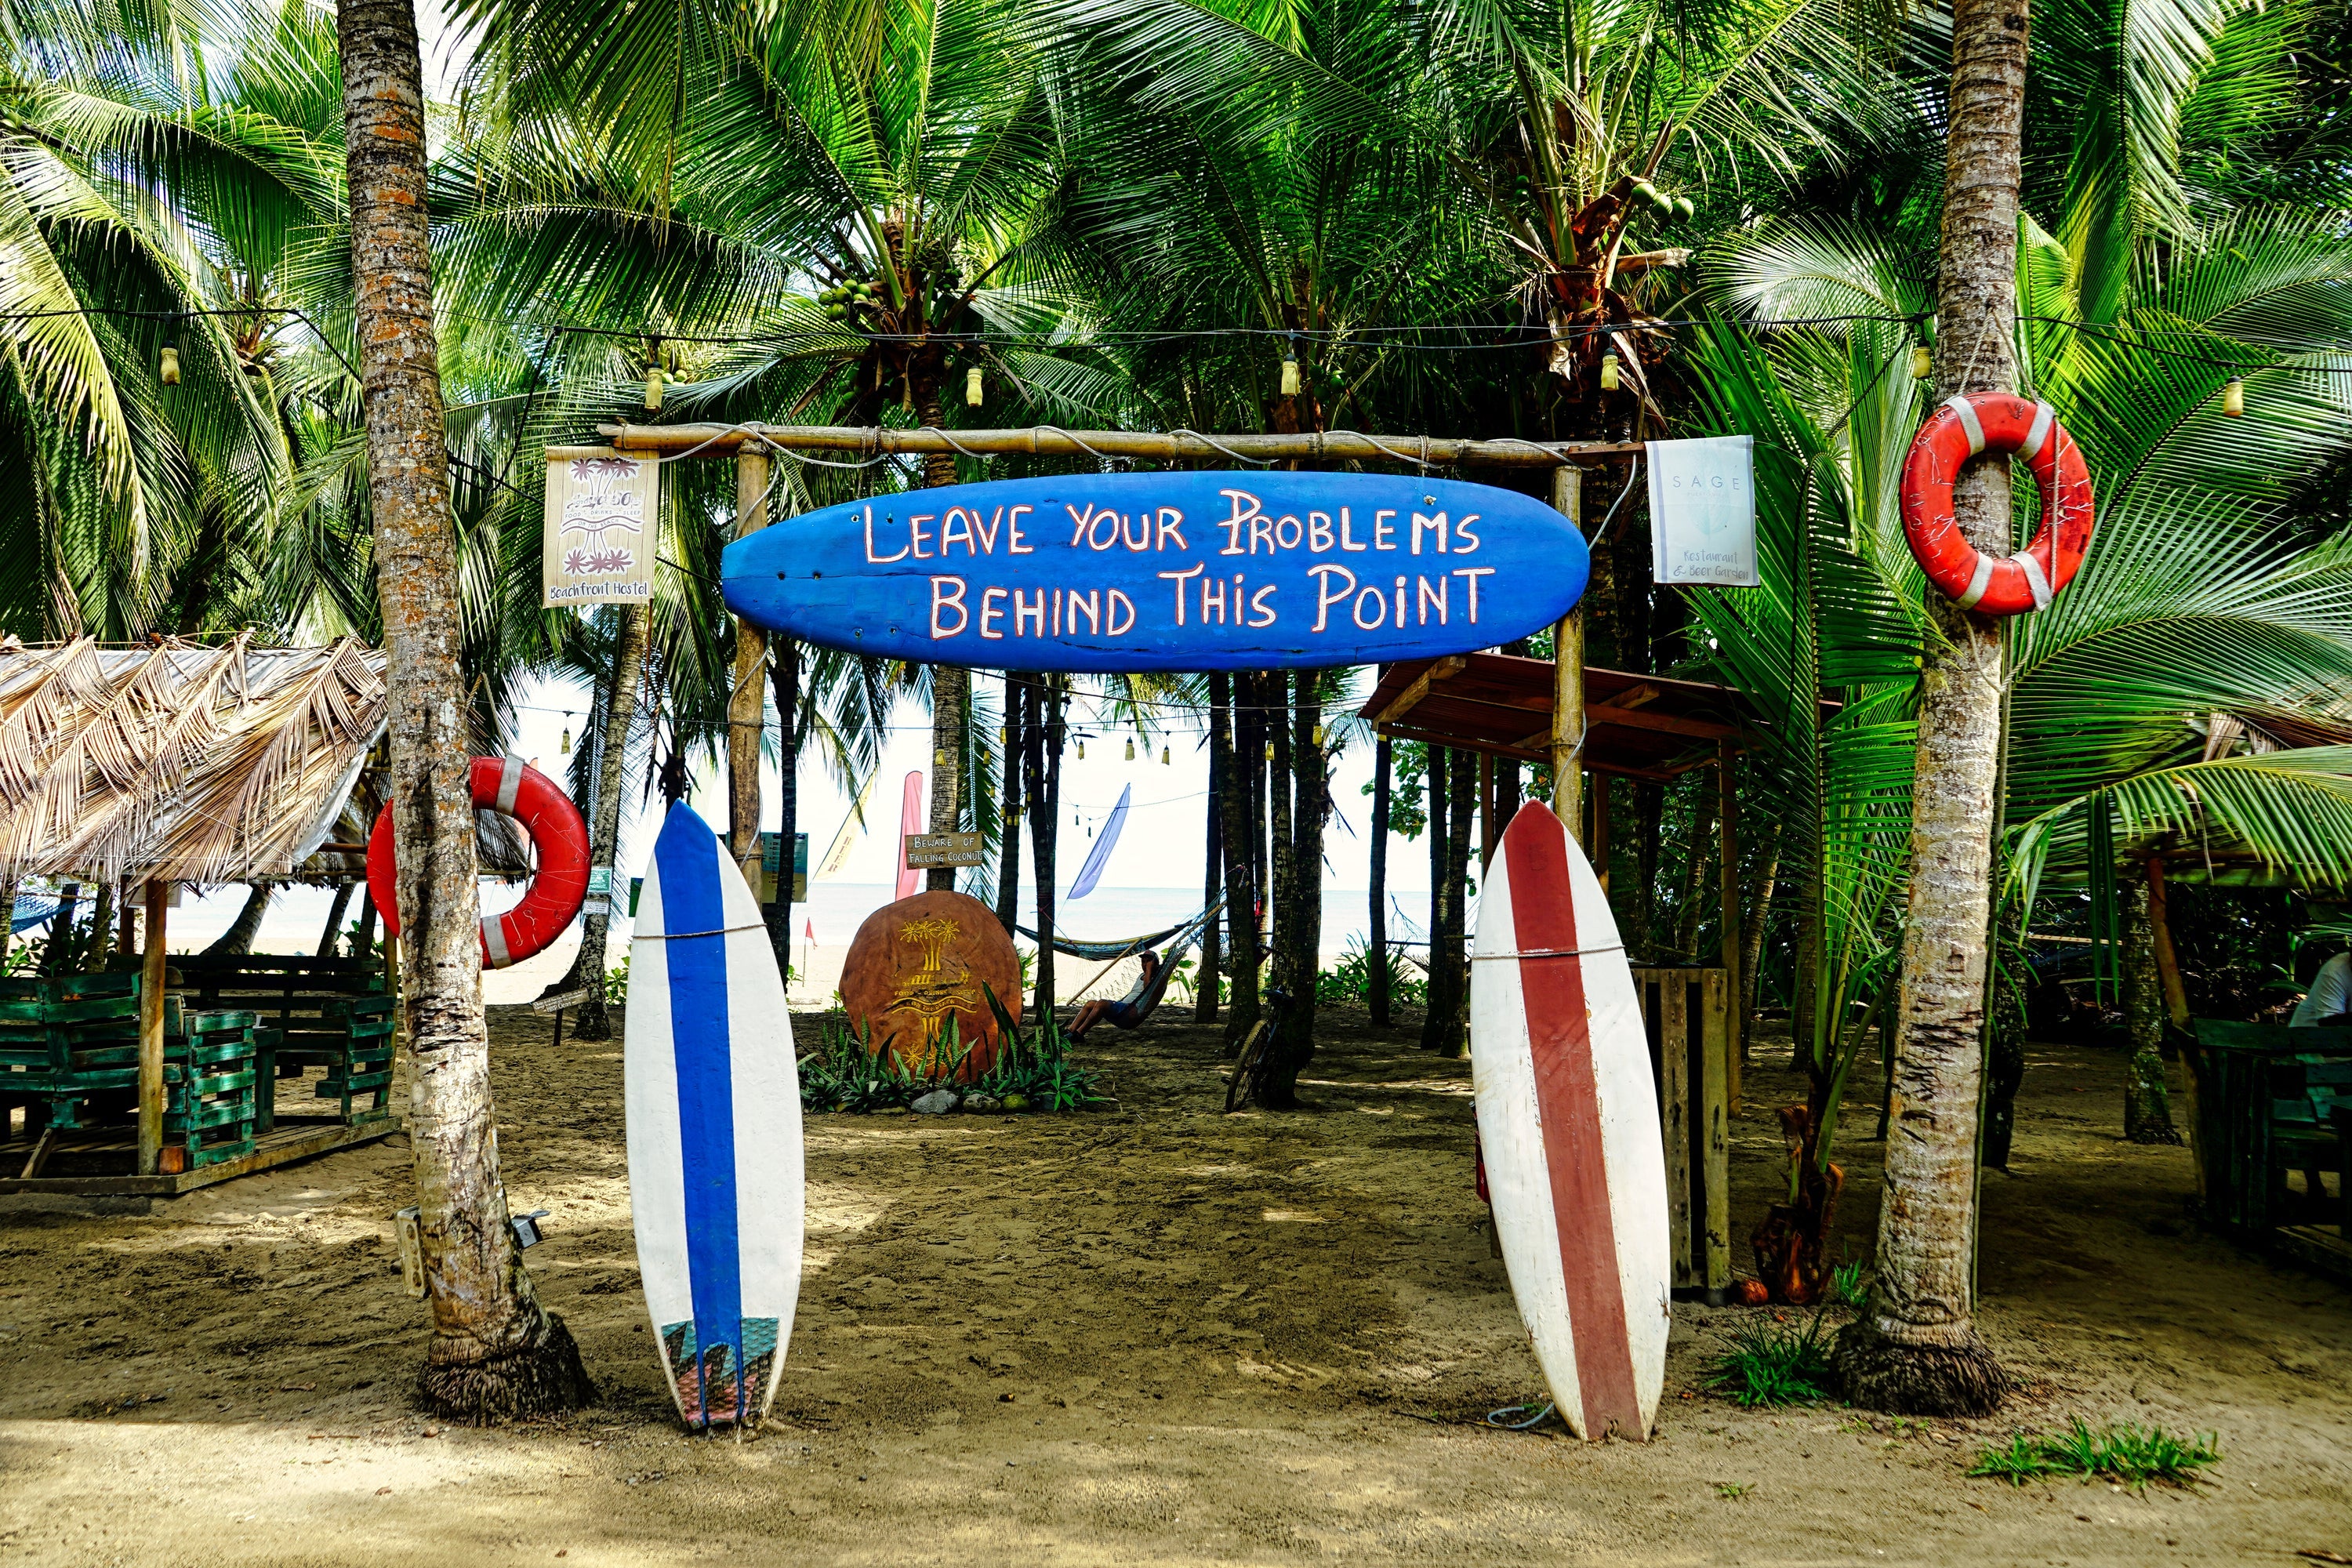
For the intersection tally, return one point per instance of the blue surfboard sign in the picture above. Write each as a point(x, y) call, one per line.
point(1166, 571)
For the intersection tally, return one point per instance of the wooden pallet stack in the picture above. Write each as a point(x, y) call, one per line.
point(211, 1089)
point(326, 1013)
point(69, 1045)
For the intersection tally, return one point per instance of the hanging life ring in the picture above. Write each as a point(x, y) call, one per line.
point(511, 788)
point(1994, 421)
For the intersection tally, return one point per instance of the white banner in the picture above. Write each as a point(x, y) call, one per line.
point(603, 519)
point(1703, 511)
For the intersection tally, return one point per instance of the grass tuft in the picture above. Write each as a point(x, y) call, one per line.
point(2130, 1456)
point(1771, 1366)
point(1846, 1286)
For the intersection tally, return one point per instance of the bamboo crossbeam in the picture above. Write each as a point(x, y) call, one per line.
point(721, 440)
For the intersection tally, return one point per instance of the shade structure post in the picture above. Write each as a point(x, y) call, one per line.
point(747, 690)
point(1734, 945)
point(152, 979)
point(1599, 849)
point(1568, 676)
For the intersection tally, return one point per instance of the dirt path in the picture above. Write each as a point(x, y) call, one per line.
point(1158, 1336)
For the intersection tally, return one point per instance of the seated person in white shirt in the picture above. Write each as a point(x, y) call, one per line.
point(2330, 997)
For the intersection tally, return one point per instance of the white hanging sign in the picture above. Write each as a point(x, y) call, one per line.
point(604, 518)
point(1703, 511)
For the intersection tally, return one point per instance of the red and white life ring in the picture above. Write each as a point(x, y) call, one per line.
point(514, 788)
point(1994, 421)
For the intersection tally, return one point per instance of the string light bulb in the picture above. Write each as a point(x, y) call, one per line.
point(972, 387)
point(652, 388)
point(1130, 748)
point(564, 748)
point(2233, 397)
point(1318, 735)
point(1923, 362)
point(1269, 750)
point(1082, 750)
point(1163, 758)
point(170, 371)
point(939, 758)
point(1290, 377)
point(1609, 373)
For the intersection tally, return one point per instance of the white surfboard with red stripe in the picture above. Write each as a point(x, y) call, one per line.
point(1567, 1122)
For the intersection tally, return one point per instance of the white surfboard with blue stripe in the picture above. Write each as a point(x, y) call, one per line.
point(715, 1178)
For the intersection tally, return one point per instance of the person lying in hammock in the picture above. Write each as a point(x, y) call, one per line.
point(1128, 1010)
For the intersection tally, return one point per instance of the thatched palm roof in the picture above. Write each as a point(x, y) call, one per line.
point(179, 761)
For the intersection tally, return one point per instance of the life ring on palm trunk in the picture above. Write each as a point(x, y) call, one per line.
point(511, 788)
point(1994, 421)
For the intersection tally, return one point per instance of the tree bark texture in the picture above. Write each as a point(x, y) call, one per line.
point(1915, 1349)
point(951, 684)
point(1220, 767)
point(334, 920)
point(1383, 769)
point(1303, 925)
point(1241, 837)
point(102, 929)
point(1701, 858)
point(1461, 779)
point(747, 690)
point(2148, 1100)
point(495, 1353)
point(1045, 790)
point(1443, 889)
point(1283, 900)
point(238, 938)
point(1008, 859)
point(590, 1021)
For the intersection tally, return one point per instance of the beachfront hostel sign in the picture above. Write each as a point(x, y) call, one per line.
point(604, 518)
point(1166, 571)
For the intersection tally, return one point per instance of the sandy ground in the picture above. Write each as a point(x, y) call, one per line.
point(1160, 1335)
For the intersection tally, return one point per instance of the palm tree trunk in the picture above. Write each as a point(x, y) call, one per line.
point(1377, 945)
point(1915, 1349)
point(591, 1022)
point(8, 918)
point(1008, 862)
point(495, 1353)
point(1455, 1039)
point(1242, 884)
point(60, 945)
point(1435, 1003)
point(1284, 890)
point(238, 938)
point(2148, 1102)
point(101, 928)
point(1303, 924)
point(335, 920)
point(1699, 860)
point(1220, 767)
point(951, 684)
point(1751, 959)
point(1046, 729)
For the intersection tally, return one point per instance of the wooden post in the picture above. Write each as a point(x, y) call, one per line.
point(1601, 829)
point(746, 702)
point(1567, 675)
point(152, 978)
point(1718, 1075)
point(1734, 947)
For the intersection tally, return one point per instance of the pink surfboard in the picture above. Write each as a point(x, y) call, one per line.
point(1568, 1121)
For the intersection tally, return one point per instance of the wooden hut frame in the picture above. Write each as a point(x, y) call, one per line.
point(174, 762)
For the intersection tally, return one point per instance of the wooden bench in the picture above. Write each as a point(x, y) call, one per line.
point(329, 1012)
point(2269, 1101)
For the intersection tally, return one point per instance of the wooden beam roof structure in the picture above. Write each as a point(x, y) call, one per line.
point(1637, 726)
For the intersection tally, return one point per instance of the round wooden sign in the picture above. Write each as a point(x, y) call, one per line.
point(918, 963)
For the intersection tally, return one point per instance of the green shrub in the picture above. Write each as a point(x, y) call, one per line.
point(1846, 1286)
point(2130, 1456)
point(1771, 1365)
point(1031, 1070)
point(1353, 981)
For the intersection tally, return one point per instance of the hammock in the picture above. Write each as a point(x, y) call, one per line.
point(1103, 950)
point(31, 910)
point(1185, 935)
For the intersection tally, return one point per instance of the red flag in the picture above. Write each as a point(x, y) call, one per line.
point(910, 822)
point(808, 928)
